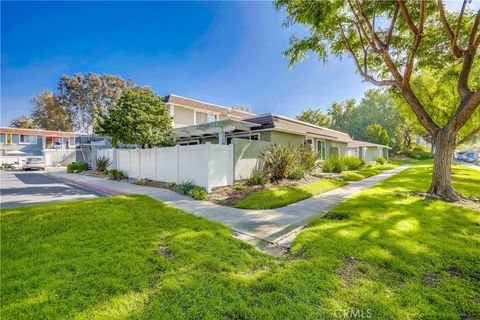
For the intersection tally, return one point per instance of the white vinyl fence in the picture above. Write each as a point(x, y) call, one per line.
point(206, 165)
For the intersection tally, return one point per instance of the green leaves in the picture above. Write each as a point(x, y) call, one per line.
point(139, 117)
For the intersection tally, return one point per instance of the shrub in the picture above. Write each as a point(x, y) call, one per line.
point(419, 155)
point(333, 164)
point(352, 163)
point(352, 176)
point(198, 193)
point(278, 161)
point(239, 186)
point(77, 167)
point(141, 182)
point(185, 187)
point(381, 160)
point(115, 174)
point(296, 173)
point(308, 158)
point(102, 163)
point(259, 178)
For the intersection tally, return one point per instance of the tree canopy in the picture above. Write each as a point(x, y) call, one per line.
point(138, 117)
point(23, 122)
point(377, 134)
point(47, 113)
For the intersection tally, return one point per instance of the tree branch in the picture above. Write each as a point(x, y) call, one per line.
point(472, 43)
point(392, 25)
point(459, 22)
point(465, 110)
point(468, 136)
point(375, 38)
point(366, 76)
point(407, 16)
point(453, 44)
point(418, 37)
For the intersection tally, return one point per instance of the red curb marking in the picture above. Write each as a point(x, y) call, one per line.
point(106, 190)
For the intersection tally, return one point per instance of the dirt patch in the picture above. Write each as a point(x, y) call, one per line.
point(165, 253)
point(229, 196)
point(96, 174)
point(455, 273)
point(350, 271)
point(159, 184)
point(431, 279)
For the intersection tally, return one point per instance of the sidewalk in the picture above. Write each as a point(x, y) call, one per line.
point(260, 227)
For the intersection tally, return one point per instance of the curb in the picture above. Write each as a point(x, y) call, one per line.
point(104, 190)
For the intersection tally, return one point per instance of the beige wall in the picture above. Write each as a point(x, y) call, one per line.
point(283, 138)
point(183, 117)
point(246, 157)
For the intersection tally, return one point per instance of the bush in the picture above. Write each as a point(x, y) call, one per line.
point(259, 178)
point(308, 158)
point(239, 186)
point(278, 161)
point(296, 174)
point(352, 163)
point(77, 167)
point(141, 182)
point(333, 164)
point(185, 187)
point(419, 155)
point(381, 160)
point(115, 174)
point(102, 163)
point(352, 176)
point(198, 193)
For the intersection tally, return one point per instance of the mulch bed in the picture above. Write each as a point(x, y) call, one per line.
point(231, 195)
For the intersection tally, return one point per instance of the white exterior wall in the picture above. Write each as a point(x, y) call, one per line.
point(206, 165)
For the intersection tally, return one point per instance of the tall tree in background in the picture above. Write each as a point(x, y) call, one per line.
point(85, 94)
point(23, 122)
point(47, 113)
point(377, 134)
point(314, 116)
point(139, 117)
point(411, 34)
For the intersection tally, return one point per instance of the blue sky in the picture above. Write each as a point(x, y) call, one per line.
point(227, 53)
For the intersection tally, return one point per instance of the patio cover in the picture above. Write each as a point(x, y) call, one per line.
point(213, 128)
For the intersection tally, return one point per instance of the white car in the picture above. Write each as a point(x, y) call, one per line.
point(34, 163)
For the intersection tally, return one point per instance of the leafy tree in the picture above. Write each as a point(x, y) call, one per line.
point(377, 134)
point(85, 94)
point(314, 116)
point(48, 114)
point(139, 117)
point(342, 114)
point(390, 41)
point(23, 122)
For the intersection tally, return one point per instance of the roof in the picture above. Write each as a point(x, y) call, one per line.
point(38, 132)
point(228, 125)
point(358, 143)
point(282, 123)
point(197, 104)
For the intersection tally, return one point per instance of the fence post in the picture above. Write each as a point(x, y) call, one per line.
point(208, 146)
point(156, 165)
point(178, 162)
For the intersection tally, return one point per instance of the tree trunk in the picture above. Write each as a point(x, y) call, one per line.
point(442, 167)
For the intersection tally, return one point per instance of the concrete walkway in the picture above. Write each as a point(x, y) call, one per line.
point(260, 227)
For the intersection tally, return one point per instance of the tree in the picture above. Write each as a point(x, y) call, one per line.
point(377, 134)
point(139, 117)
point(390, 41)
point(85, 94)
point(23, 122)
point(314, 116)
point(48, 114)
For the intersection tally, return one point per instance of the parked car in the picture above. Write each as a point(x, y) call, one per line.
point(34, 163)
point(460, 155)
point(470, 157)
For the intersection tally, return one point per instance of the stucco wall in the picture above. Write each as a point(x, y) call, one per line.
point(246, 157)
point(284, 138)
point(183, 117)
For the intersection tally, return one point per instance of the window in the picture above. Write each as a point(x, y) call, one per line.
point(28, 139)
point(211, 117)
point(201, 117)
point(8, 138)
point(321, 148)
point(334, 151)
point(246, 136)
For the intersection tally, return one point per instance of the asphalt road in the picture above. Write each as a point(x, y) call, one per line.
point(20, 188)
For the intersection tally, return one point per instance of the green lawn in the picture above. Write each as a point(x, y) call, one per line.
point(392, 255)
point(280, 197)
point(367, 172)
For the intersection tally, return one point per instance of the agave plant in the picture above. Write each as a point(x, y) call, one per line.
point(278, 161)
point(102, 163)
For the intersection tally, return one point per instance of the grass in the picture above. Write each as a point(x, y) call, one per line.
point(390, 254)
point(280, 197)
point(367, 172)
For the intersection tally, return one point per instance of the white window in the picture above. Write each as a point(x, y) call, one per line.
point(211, 117)
point(321, 146)
point(28, 139)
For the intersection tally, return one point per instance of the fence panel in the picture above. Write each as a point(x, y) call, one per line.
point(205, 165)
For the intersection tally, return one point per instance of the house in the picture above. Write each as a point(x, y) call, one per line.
point(58, 147)
point(367, 151)
point(271, 128)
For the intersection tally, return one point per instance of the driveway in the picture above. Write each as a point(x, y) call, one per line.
point(20, 188)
